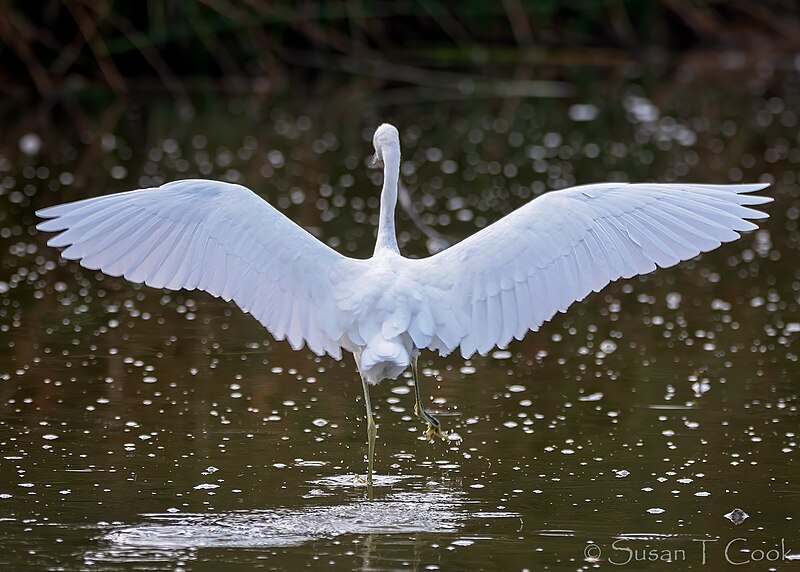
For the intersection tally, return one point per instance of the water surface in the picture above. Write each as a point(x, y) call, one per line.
point(146, 429)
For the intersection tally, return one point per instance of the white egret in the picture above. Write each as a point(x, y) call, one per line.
point(476, 295)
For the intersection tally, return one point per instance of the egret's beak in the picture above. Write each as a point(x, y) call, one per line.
point(376, 161)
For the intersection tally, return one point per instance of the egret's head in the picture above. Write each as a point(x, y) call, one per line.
point(386, 140)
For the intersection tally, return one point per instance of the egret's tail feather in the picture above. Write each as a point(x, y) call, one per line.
point(383, 358)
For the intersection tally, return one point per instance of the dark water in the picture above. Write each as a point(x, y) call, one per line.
point(154, 430)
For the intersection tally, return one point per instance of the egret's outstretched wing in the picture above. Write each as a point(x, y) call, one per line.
point(515, 274)
point(213, 236)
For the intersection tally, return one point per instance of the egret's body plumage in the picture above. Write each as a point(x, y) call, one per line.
point(481, 293)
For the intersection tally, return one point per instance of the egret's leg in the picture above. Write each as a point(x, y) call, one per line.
point(372, 430)
point(434, 427)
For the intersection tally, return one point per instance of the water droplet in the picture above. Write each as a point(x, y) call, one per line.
point(582, 112)
point(608, 346)
point(674, 300)
point(205, 486)
point(30, 144)
point(737, 516)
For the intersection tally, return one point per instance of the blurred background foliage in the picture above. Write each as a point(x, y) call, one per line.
point(49, 46)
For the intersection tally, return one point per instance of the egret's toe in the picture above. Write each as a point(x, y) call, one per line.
point(434, 431)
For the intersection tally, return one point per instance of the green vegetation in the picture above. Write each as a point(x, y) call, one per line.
point(52, 45)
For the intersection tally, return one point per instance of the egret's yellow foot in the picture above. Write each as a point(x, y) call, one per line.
point(434, 431)
point(434, 427)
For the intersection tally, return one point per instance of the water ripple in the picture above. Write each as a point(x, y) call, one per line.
point(406, 512)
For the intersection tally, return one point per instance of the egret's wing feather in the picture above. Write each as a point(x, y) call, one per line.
point(217, 237)
point(518, 272)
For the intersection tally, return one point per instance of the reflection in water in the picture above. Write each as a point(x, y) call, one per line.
point(360, 481)
point(169, 536)
point(399, 513)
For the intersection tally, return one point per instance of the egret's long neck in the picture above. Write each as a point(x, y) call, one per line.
point(387, 237)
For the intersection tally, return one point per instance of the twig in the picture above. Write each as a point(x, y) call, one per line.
point(10, 27)
point(214, 47)
point(152, 56)
point(621, 22)
point(518, 20)
point(451, 26)
point(95, 42)
point(472, 85)
point(698, 18)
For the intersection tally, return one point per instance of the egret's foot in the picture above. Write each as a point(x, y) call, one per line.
point(434, 430)
point(434, 427)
